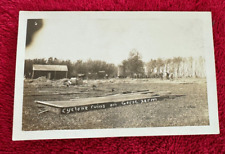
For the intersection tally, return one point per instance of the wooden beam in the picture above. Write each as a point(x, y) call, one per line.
point(32, 75)
point(95, 103)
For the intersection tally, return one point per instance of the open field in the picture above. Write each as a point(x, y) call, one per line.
point(189, 110)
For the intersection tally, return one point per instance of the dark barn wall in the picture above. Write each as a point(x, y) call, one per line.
point(54, 75)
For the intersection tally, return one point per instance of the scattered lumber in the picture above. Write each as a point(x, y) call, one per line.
point(95, 103)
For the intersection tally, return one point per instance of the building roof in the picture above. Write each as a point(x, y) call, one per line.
point(50, 67)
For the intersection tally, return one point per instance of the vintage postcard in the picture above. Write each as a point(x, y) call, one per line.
point(111, 74)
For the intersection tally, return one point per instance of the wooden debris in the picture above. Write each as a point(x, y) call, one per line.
point(95, 103)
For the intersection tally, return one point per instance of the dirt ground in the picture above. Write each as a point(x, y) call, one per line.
point(189, 110)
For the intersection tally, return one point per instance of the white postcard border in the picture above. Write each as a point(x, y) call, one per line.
point(213, 128)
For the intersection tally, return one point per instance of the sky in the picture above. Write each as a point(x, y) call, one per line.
point(112, 39)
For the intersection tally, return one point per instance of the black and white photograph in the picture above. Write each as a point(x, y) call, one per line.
point(108, 74)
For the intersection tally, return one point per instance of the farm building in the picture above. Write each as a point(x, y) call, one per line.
point(50, 71)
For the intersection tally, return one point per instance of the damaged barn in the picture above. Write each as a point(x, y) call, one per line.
point(50, 71)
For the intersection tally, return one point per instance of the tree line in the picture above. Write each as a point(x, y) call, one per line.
point(133, 67)
point(90, 68)
point(178, 66)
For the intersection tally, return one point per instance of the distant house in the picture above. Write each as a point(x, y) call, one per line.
point(50, 71)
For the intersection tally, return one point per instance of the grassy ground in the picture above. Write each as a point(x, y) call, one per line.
point(189, 110)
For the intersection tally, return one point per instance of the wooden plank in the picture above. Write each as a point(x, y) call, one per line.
point(93, 100)
point(56, 93)
point(95, 103)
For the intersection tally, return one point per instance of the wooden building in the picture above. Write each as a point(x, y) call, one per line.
point(50, 71)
